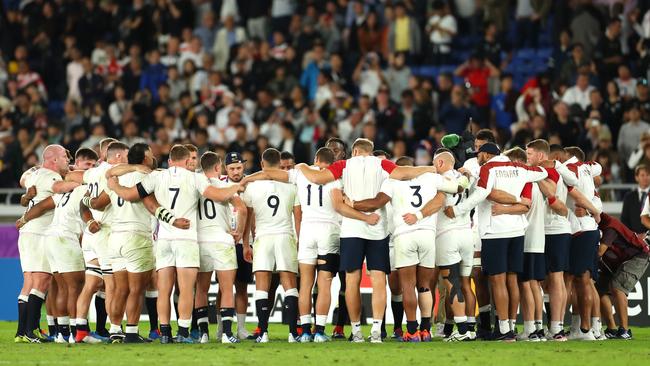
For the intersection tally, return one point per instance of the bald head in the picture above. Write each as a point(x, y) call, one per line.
point(52, 152)
point(55, 158)
point(443, 160)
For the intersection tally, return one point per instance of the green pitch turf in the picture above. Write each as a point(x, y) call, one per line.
point(279, 352)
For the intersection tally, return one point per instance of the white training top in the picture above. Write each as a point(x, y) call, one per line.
point(95, 178)
point(585, 172)
point(130, 216)
point(43, 179)
point(215, 218)
point(315, 199)
point(178, 190)
point(463, 221)
point(273, 204)
point(67, 221)
point(554, 223)
point(409, 197)
point(534, 239)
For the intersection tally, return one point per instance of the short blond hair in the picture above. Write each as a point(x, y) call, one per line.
point(364, 145)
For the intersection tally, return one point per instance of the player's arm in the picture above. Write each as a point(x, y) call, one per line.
point(131, 194)
point(410, 172)
point(61, 186)
point(275, 174)
point(432, 207)
point(316, 176)
point(161, 213)
point(297, 219)
point(534, 173)
point(221, 194)
point(349, 212)
point(87, 218)
point(583, 202)
point(121, 169)
point(248, 229)
point(75, 176)
point(516, 209)
point(569, 178)
point(28, 196)
point(558, 206)
point(371, 204)
point(36, 211)
point(469, 203)
point(242, 215)
point(98, 203)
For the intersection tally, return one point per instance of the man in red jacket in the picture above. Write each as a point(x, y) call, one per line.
point(624, 258)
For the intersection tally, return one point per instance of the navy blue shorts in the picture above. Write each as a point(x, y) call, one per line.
point(534, 267)
point(375, 252)
point(244, 269)
point(584, 248)
point(556, 251)
point(502, 255)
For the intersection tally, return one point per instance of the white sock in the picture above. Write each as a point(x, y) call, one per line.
point(460, 319)
point(555, 327)
point(471, 320)
point(529, 327)
point(132, 329)
point(37, 293)
point(73, 322)
point(512, 323)
point(50, 320)
point(376, 326)
point(305, 319)
point(115, 328)
point(504, 326)
point(82, 321)
point(63, 320)
point(241, 321)
point(595, 324)
point(321, 320)
point(185, 323)
point(356, 327)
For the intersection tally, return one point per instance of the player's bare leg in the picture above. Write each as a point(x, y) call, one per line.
point(536, 290)
point(353, 300)
point(527, 310)
point(512, 283)
point(501, 300)
point(606, 312)
point(470, 302)
point(451, 278)
point(620, 304)
point(596, 323)
point(203, 280)
point(558, 298)
point(378, 281)
point(307, 278)
point(73, 283)
point(137, 283)
point(92, 283)
point(324, 299)
point(408, 282)
point(118, 304)
point(289, 284)
point(109, 290)
point(186, 282)
point(425, 301)
point(483, 300)
point(166, 279)
point(227, 301)
point(396, 303)
point(241, 305)
point(584, 294)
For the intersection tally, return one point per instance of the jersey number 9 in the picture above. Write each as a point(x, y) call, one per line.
point(274, 202)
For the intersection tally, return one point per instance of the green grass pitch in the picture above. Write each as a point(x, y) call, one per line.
point(279, 352)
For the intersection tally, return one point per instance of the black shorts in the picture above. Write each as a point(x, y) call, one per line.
point(582, 256)
point(244, 269)
point(556, 252)
point(355, 250)
point(502, 255)
point(328, 263)
point(534, 267)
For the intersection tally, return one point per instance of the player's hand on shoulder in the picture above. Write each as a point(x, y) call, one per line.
point(181, 223)
point(112, 182)
point(31, 192)
point(372, 219)
point(142, 169)
point(410, 219)
point(449, 212)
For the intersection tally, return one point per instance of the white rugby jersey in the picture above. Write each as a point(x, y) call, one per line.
point(315, 199)
point(410, 196)
point(474, 169)
point(272, 203)
point(503, 174)
point(463, 221)
point(130, 216)
point(95, 179)
point(67, 221)
point(178, 190)
point(554, 223)
point(534, 239)
point(215, 218)
point(43, 179)
point(362, 177)
point(585, 173)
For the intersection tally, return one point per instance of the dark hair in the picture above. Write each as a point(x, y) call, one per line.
point(209, 160)
point(178, 153)
point(556, 148)
point(381, 153)
point(485, 135)
point(86, 154)
point(137, 152)
point(271, 157)
point(639, 168)
point(325, 155)
point(575, 151)
point(285, 155)
point(105, 142)
point(289, 126)
point(405, 161)
point(116, 146)
point(516, 154)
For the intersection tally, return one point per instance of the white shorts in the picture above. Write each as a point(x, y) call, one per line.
point(177, 253)
point(97, 245)
point(416, 248)
point(132, 252)
point(456, 246)
point(476, 238)
point(64, 254)
point(275, 252)
point(215, 256)
point(391, 253)
point(318, 239)
point(33, 253)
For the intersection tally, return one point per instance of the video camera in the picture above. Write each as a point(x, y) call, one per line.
point(461, 146)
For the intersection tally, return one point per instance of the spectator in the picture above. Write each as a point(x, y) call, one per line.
point(372, 36)
point(206, 32)
point(567, 129)
point(228, 36)
point(586, 27)
point(91, 85)
point(630, 132)
point(290, 144)
point(491, 47)
point(577, 61)
point(442, 29)
point(530, 15)
point(154, 75)
point(368, 75)
point(397, 75)
point(503, 108)
point(626, 83)
point(608, 52)
point(456, 114)
point(256, 15)
point(476, 72)
point(635, 199)
point(404, 34)
point(579, 94)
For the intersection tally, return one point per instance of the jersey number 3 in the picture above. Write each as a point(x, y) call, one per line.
point(416, 196)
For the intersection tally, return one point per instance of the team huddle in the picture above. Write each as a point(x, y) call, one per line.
point(507, 233)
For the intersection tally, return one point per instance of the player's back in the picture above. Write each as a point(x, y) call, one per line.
point(176, 190)
point(42, 179)
point(410, 196)
point(215, 217)
point(315, 199)
point(130, 216)
point(463, 221)
point(534, 237)
point(95, 178)
point(272, 203)
point(67, 220)
point(585, 172)
point(555, 223)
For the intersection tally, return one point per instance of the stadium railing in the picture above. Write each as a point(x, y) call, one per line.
point(611, 194)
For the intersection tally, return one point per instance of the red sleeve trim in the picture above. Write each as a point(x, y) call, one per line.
point(388, 165)
point(552, 200)
point(574, 168)
point(337, 168)
point(483, 176)
point(527, 192)
point(553, 174)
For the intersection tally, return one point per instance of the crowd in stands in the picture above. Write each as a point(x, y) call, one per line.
point(243, 75)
